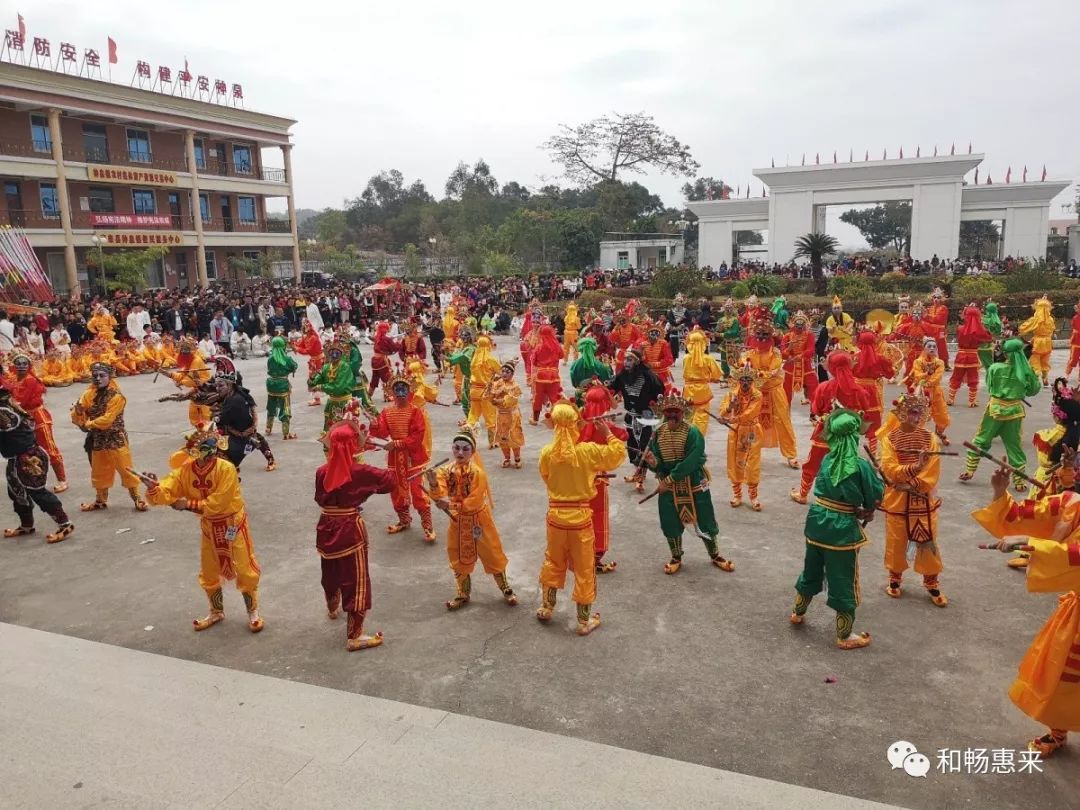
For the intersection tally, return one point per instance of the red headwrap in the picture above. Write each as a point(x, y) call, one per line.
point(598, 401)
point(549, 352)
point(344, 442)
point(869, 364)
point(381, 328)
point(972, 331)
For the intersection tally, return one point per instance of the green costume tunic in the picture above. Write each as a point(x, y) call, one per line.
point(1008, 383)
point(463, 359)
point(680, 455)
point(780, 314)
point(992, 322)
point(731, 338)
point(278, 368)
point(834, 536)
point(585, 367)
point(360, 380)
point(335, 379)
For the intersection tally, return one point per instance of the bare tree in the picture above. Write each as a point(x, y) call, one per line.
point(599, 150)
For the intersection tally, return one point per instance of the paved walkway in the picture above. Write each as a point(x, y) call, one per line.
point(87, 724)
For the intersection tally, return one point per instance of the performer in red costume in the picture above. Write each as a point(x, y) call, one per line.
point(871, 369)
point(1074, 342)
point(310, 345)
point(910, 336)
point(656, 353)
point(412, 345)
point(598, 401)
point(624, 335)
point(380, 358)
point(797, 350)
point(937, 316)
point(547, 386)
point(29, 393)
point(970, 335)
point(842, 389)
point(529, 337)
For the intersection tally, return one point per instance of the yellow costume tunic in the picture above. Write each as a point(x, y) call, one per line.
point(571, 329)
point(700, 369)
point(842, 331)
point(776, 429)
point(422, 395)
point(910, 502)
point(192, 377)
point(55, 371)
point(102, 326)
point(472, 534)
point(1041, 326)
point(569, 471)
point(743, 411)
point(928, 372)
point(483, 370)
point(505, 396)
point(212, 489)
point(100, 411)
point(1047, 688)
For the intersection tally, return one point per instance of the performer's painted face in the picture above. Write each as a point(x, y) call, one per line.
point(914, 417)
point(22, 367)
point(223, 386)
point(461, 450)
point(334, 355)
point(930, 347)
point(401, 393)
point(101, 378)
point(673, 414)
point(630, 362)
point(800, 326)
point(508, 374)
point(745, 384)
point(654, 334)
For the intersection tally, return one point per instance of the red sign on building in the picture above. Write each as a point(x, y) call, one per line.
point(132, 220)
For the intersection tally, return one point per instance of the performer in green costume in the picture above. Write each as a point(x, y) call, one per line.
point(278, 388)
point(992, 321)
point(1008, 383)
point(846, 491)
point(360, 379)
point(731, 337)
point(462, 358)
point(677, 455)
point(587, 366)
point(336, 380)
point(780, 314)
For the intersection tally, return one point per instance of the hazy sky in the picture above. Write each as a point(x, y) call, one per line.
point(418, 86)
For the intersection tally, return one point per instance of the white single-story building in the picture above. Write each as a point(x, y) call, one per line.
point(640, 251)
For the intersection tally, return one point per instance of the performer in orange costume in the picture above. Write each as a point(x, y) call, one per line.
point(29, 392)
point(599, 401)
point(910, 335)
point(797, 349)
point(1074, 342)
point(775, 416)
point(937, 317)
point(969, 337)
point(311, 346)
point(412, 345)
point(528, 340)
point(192, 373)
point(380, 358)
point(547, 385)
point(871, 369)
point(656, 353)
point(927, 374)
point(624, 335)
point(403, 423)
point(841, 388)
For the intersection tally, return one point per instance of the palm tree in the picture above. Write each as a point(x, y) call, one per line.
point(815, 246)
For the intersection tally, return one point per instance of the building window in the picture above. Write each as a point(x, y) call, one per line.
point(211, 265)
point(241, 156)
point(142, 199)
point(39, 132)
point(246, 208)
point(95, 143)
point(622, 261)
point(1053, 232)
point(200, 154)
point(204, 207)
point(101, 200)
point(50, 201)
point(663, 256)
point(139, 146)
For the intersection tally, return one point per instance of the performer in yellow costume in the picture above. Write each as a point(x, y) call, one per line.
point(462, 491)
point(54, 370)
point(927, 373)
point(423, 393)
point(1040, 327)
point(482, 371)
point(569, 471)
point(841, 326)
point(505, 396)
point(741, 409)
point(100, 413)
point(764, 358)
point(191, 372)
point(207, 484)
point(911, 471)
point(102, 325)
point(700, 370)
point(1047, 687)
point(571, 329)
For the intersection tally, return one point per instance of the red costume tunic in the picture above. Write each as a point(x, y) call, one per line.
point(412, 347)
point(598, 401)
point(911, 335)
point(380, 356)
point(29, 393)
point(310, 346)
point(604, 346)
point(969, 337)
point(658, 358)
point(937, 316)
point(405, 425)
point(623, 336)
point(870, 369)
point(1074, 345)
point(547, 385)
point(800, 371)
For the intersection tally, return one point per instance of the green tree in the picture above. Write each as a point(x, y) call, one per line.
point(884, 225)
point(412, 261)
point(705, 188)
point(748, 238)
point(261, 266)
point(979, 237)
point(330, 226)
point(126, 269)
point(815, 247)
point(604, 148)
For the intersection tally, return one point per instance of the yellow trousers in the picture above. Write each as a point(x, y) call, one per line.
point(222, 558)
point(927, 562)
point(744, 455)
point(1040, 363)
point(570, 339)
point(464, 547)
point(480, 409)
point(105, 464)
point(776, 429)
point(699, 418)
point(570, 547)
point(508, 431)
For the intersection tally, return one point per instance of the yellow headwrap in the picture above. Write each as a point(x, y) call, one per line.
point(695, 353)
point(564, 417)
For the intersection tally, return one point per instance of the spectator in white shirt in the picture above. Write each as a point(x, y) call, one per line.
point(136, 320)
point(7, 332)
point(240, 344)
point(61, 340)
point(207, 348)
point(260, 345)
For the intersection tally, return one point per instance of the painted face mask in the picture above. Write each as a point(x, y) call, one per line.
point(461, 450)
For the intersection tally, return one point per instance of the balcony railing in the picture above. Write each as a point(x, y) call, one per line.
point(83, 220)
point(137, 156)
point(42, 146)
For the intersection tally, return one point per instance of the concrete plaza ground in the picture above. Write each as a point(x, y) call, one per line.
point(701, 667)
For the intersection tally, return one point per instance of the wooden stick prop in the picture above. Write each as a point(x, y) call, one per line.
point(1005, 465)
point(942, 453)
point(427, 469)
point(444, 509)
point(1021, 546)
point(650, 496)
point(874, 463)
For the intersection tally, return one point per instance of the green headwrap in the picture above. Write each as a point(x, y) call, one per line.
point(991, 320)
point(842, 431)
point(587, 349)
point(780, 313)
point(1021, 370)
point(277, 350)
